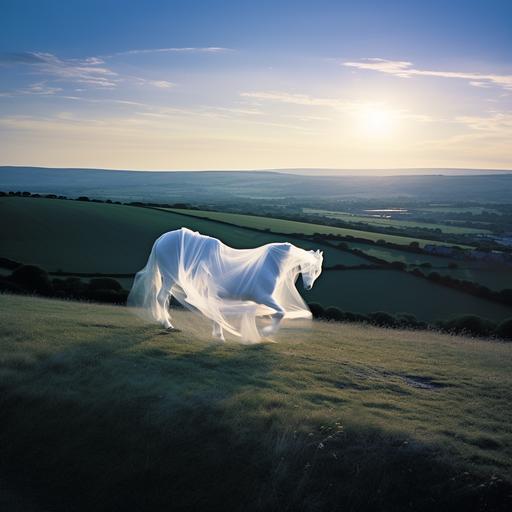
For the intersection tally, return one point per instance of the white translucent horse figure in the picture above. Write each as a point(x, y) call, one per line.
point(230, 286)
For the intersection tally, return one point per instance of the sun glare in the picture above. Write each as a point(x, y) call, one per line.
point(376, 122)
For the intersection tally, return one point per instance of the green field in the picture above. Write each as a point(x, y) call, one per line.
point(94, 237)
point(367, 291)
point(290, 226)
point(493, 276)
point(474, 210)
point(395, 223)
point(102, 412)
point(410, 258)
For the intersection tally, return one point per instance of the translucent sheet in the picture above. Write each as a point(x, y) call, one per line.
point(232, 287)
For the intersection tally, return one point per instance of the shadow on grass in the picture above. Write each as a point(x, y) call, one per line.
point(103, 427)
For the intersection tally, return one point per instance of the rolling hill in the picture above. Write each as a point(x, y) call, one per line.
point(101, 411)
point(89, 237)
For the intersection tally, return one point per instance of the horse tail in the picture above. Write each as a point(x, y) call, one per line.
point(145, 289)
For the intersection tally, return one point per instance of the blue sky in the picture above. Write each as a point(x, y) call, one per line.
point(239, 85)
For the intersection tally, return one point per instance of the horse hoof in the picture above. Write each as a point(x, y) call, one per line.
point(172, 329)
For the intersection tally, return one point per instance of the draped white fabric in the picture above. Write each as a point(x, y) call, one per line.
point(232, 287)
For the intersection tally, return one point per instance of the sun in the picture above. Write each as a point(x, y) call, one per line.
point(376, 122)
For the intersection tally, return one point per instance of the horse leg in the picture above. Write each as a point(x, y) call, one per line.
point(276, 317)
point(217, 332)
point(163, 298)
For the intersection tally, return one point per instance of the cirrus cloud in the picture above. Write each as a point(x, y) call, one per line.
point(405, 69)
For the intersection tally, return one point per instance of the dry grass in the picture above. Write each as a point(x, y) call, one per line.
point(99, 404)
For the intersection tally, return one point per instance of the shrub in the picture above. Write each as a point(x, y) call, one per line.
point(72, 287)
point(333, 313)
point(504, 330)
point(7, 286)
point(316, 310)
point(472, 325)
point(109, 296)
point(32, 279)
point(104, 283)
point(506, 296)
point(382, 319)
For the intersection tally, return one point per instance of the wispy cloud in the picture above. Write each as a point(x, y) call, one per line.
point(160, 84)
point(191, 49)
point(90, 71)
point(333, 103)
point(296, 99)
point(498, 122)
point(405, 69)
point(41, 89)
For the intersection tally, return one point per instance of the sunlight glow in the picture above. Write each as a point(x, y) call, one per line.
point(376, 122)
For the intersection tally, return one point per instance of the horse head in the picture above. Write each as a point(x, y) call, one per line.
point(311, 268)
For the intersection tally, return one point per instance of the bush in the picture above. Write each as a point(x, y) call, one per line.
point(316, 310)
point(7, 286)
point(382, 319)
point(72, 287)
point(104, 283)
point(504, 330)
point(33, 279)
point(109, 296)
point(335, 314)
point(472, 325)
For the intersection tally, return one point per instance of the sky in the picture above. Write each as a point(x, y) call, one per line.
point(164, 85)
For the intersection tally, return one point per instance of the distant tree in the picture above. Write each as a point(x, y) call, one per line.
point(83, 198)
point(434, 276)
point(32, 278)
point(506, 296)
point(104, 283)
point(415, 245)
point(426, 264)
point(316, 310)
point(472, 325)
point(333, 313)
point(382, 319)
point(109, 296)
point(504, 329)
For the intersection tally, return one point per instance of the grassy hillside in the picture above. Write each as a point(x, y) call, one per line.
point(103, 412)
point(96, 237)
point(306, 228)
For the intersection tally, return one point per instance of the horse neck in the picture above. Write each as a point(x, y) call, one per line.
point(300, 256)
